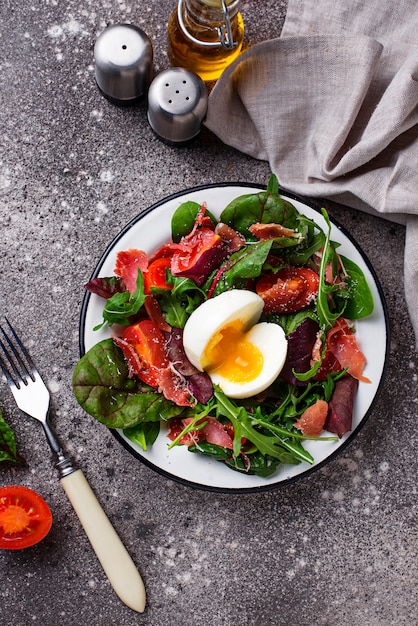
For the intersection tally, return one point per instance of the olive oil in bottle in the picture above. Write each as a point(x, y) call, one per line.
point(205, 36)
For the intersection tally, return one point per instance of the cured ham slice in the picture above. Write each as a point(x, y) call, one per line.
point(342, 342)
point(127, 264)
point(311, 422)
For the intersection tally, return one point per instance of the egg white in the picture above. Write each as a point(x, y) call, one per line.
point(272, 343)
point(214, 314)
point(223, 310)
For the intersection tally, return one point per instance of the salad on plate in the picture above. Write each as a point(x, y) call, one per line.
point(238, 335)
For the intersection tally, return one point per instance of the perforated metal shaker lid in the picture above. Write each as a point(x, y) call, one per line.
point(123, 58)
point(177, 105)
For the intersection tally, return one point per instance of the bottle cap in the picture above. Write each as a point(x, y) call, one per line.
point(177, 105)
point(123, 63)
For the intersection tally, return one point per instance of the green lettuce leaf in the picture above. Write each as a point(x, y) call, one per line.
point(359, 302)
point(102, 388)
point(263, 207)
point(183, 219)
point(144, 433)
point(242, 265)
point(8, 450)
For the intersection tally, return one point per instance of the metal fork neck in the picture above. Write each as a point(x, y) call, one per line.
point(63, 464)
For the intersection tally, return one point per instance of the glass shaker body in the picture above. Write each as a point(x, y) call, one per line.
point(205, 36)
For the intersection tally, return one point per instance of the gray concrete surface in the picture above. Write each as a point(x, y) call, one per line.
point(337, 548)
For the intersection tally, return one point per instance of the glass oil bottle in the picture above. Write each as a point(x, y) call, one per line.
point(205, 36)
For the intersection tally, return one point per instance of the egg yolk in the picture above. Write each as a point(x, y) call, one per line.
point(232, 356)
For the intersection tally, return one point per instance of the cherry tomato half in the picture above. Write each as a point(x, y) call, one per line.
point(25, 518)
point(288, 290)
point(146, 351)
point(155, 276)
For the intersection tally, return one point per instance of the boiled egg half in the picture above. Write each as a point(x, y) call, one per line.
point(223, 338)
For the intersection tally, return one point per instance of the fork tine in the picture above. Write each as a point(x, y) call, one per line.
point(28, 371)
point(5, 370)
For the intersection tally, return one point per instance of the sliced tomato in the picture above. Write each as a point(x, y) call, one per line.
point(155, 275)
point(342, 342)
point(143, 345)
point(312, 420)
point(25, 518)
point(127, 264)
point(288, 290)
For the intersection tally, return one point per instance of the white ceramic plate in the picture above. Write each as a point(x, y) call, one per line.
point(148, 231)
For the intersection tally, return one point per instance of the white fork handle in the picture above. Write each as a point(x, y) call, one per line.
point(112, 554)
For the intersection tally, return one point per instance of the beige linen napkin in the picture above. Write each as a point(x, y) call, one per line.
point(333, 107)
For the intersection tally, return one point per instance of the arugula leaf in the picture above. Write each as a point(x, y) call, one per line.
point(121, 306)
point(290, 321)
point(8, 450)
point(304, 376)
point(327, 318)
point(181, 301)
point(244, 427)
point(301, 254)
point(174, 311)
point(195, 424)
point(102, 387)
point(182, 285)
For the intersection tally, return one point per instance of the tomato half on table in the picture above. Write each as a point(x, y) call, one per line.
point(288, 290)
point(25, 518)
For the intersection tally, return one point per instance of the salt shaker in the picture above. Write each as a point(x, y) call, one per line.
point(205, 36)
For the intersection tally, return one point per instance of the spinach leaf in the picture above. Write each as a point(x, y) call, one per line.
point(183, 219)
point(144, 433)
point(273, 185)
point(8, 451)
point(360, 299)
point(263, 207)
point(102, 387)
point(242, 265)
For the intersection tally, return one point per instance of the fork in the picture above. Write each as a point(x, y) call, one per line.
point(33, 398)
